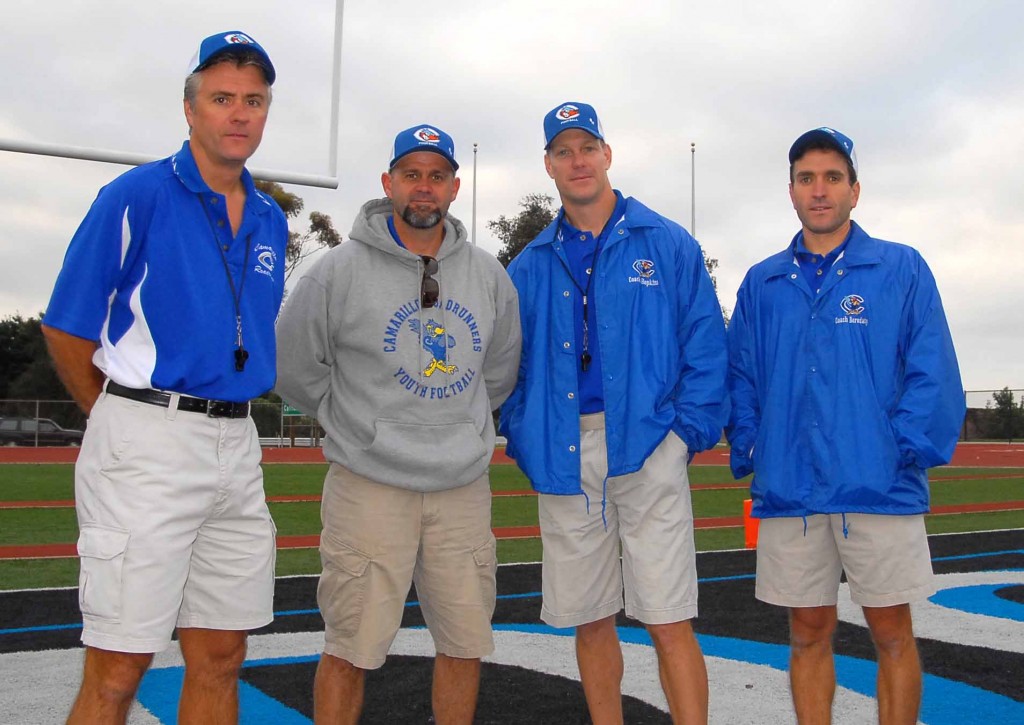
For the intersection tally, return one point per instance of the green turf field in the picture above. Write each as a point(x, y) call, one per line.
point(49, 482)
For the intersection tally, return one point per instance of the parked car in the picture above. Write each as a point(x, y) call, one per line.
point(36, 431)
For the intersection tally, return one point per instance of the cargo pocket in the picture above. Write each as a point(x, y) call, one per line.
point(485, 558)
point(342, 589)
point(101, 553)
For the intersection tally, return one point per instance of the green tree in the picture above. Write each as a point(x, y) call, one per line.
point(1009, 416)
point(26, 372)
point(518, 231)
point(319, 234)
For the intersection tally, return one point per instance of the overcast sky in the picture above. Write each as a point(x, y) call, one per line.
point(931, 91)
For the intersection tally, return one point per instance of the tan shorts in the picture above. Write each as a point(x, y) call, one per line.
point(378, 540)
point(886, 560)
point(648, 513)
point(173, 526)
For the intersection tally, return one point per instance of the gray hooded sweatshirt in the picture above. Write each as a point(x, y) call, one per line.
point(405, 394)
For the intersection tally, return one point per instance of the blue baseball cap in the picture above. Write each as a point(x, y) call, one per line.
point(572, 114)
point(232, 41)
point(840, 142)
point(423, 138)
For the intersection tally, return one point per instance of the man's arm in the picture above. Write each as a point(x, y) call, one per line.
point(304, 355)
point(744, 415)
point(702, 404)
point(72, 356)
point(501, 361)
point(931, 407)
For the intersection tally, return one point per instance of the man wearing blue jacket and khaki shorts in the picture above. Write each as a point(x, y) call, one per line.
point(622, 377)
point(845, 390)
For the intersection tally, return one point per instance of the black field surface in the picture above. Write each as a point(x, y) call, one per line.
point(971, 640)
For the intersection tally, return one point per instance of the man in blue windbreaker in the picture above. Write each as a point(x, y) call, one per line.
point(845, 390)
point(161, 326)
point(622, 378)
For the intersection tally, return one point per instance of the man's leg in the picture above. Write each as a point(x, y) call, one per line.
point(213, 658)
point(899, 667)
point(684, 676)
point(108, 686)
point(599, 657)
point(456, 684)
point(812, 675)
point(337, 691)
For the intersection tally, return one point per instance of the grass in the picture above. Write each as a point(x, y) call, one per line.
point(27, 482)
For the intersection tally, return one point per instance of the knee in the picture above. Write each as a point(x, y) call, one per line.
point(115, 676)
point(810, 629)
point(674, 634)
point(596, 632)
point(338, 667)
point(891, 630)
point(893, 642)
point(215, 661)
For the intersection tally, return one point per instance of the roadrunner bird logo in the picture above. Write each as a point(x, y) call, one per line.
point(437, 342)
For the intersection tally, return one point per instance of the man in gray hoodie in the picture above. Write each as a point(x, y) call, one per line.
point(401, 342)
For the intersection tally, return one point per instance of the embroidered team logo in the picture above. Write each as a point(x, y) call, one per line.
point(238, 38)
point(427, 135)
point(266, 259)
point(436, 341)
point(568, 112)
point(852, 304)
point(644, 268)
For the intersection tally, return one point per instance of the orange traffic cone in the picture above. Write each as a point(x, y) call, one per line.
point(750, 525)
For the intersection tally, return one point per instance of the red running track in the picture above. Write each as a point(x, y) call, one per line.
point(988, 455)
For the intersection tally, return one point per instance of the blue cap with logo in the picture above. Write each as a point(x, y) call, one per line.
point(572, 114)
point(232, 41)
point(423, 138)
point(829, 136)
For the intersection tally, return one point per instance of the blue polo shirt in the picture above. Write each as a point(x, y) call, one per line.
point(815, 267)
point(581, 250)
point(145, 276)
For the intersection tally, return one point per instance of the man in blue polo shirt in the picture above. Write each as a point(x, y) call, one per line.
point(622, 377)
point(161, 326)
point(845, 390)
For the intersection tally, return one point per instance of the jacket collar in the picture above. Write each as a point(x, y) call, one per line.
point(636, 216)
point(861, 249)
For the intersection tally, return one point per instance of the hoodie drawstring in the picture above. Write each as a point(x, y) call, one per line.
point(846, 530)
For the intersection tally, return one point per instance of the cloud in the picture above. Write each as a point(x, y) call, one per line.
point(929, 91)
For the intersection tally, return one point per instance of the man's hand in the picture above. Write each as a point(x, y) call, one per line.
point(72, 356)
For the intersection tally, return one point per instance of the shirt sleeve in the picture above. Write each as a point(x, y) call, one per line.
point(304, 356)
point(92, 266)
point(501, 361)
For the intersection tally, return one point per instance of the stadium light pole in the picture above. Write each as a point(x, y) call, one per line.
point(693, 190)
point(474, 194)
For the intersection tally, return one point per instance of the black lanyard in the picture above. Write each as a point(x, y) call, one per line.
point(585, 292)
point(241, 354)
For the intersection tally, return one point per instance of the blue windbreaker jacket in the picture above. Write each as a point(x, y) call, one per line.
point(662, 342)
point(848, 396)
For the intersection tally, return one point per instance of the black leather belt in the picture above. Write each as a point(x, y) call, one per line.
point(212, 408)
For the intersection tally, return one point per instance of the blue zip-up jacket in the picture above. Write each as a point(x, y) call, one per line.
point(662, 342)
point(848, 396)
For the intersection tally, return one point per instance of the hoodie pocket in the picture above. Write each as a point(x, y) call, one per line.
point(420, 453)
